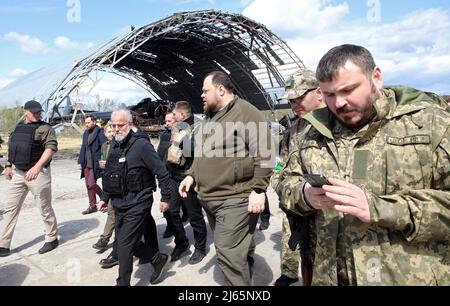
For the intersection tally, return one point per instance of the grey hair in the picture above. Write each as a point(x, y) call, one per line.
point(121, 112)
point(336, 58)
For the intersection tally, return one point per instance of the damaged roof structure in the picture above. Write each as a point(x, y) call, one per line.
point(169, 58)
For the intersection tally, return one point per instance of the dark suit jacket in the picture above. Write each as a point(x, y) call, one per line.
point(95, 146)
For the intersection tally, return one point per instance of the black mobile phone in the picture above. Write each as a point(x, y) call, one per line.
point(316, 180)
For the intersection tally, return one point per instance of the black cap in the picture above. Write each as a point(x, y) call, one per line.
point(33, 106)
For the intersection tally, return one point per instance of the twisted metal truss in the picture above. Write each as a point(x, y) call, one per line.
point(170, 57)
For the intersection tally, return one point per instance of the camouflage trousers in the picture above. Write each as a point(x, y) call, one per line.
point(289, 259)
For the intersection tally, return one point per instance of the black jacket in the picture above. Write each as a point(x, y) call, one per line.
point(164, 144)
point(140, 155)
point(179, 172)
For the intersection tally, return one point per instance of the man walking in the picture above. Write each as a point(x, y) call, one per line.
point(90, 152)
point(304, 95)
point(31, 148)
point(232, 191)
point(129, 182)
point(181, 141)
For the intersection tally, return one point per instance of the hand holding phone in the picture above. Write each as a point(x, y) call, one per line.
point(316, 180)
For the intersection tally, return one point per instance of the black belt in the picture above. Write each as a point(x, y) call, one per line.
point(28, 169)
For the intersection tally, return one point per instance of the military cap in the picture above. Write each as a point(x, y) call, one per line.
point(299, 84)
point(33, 106)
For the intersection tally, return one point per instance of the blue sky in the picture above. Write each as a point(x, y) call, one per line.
point(410, 40)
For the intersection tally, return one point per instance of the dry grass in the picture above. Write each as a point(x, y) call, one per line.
point(4, 147)
point(67, 145)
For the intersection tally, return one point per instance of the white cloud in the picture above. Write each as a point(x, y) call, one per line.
point(414, 50)
point(17, 73)
point(245, 2)
point(27, 43)
point(12, 76)
point(290, 17)
point(33, 45)
point(120, 90)
point(65, 43)
point(6, 81)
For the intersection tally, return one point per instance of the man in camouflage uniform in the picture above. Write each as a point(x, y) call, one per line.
point(384, 217)
point(304, 95)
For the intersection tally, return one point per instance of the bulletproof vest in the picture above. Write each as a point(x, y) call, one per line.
point(118, 180)
point(24, 151)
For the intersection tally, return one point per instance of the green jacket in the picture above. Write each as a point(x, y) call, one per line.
point(402, 162)
point(224, 164)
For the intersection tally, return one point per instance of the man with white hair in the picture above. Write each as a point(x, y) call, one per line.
point(129, 181)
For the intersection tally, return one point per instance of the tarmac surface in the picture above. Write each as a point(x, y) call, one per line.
point(76, 263)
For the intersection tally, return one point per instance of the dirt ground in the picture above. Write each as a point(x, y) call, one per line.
point(75, 262)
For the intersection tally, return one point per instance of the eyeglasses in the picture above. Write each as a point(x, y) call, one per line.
point(118, 126)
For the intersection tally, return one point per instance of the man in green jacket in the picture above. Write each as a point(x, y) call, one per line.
point(383, 218)
point(231, 174)
point(304, 95)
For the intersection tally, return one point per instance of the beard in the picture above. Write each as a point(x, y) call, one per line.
point(363, 115)
point(121, 136)
point(208, 108)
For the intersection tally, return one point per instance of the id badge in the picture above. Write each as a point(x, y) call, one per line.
point(122, 160)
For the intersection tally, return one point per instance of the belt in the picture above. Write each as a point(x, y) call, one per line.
point(27, 169)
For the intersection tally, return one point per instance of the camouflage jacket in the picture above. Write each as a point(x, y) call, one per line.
point(287, 144)
point(402, 162)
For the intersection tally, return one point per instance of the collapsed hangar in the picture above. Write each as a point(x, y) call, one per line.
point(169, 58)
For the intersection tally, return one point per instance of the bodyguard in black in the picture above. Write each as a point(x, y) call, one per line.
point(181, 136)
point(129, 181)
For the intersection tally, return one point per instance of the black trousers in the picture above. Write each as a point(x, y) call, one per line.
point(265, 215)
point(195, 215)
point(144, 249)
point(131, 226)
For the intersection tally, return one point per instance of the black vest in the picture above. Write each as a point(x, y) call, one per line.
point(117, 180)
point(24, 152)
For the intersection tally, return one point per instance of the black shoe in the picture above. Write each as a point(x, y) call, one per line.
point(4, 252)
point(109, 262)
point(197, 257)
point(167, 233)
point(159, 268)
point(284, 281)
point(178, 251)
point(185, 218)
point(143, 261)
point(101, 245)
point(48, 246)
point(264, 225)
point(90, 210)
